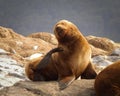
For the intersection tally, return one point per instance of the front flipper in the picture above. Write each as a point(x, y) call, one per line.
point(66, 81)
point(89, 73)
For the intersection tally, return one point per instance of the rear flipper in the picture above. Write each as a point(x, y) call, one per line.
point(46, 60)
point(89, 73)
point(66, 81)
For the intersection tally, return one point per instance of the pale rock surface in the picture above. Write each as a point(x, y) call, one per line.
point(10, 71)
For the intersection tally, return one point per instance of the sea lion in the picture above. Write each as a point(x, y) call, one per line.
point(67, 65)
point(39, 66)
point(75, 60)
point(107, 83)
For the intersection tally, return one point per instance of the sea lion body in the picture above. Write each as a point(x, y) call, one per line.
point(73, 61)
point(107, 82)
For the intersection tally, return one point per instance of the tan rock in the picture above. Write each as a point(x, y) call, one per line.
point(20, 45)
point(9, 33)
point(102, 43)
point(48, 37)
point(97, 51)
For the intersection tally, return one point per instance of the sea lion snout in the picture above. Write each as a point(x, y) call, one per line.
point(60, 30)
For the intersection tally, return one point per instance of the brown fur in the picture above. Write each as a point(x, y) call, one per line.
point(73, 61)
point(107, 82)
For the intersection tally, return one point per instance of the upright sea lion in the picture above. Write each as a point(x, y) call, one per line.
point(69, 64)
point(107, 82)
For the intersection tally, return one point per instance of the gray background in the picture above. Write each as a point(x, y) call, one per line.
point(93, 17)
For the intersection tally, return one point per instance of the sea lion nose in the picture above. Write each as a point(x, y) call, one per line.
point(59, 29)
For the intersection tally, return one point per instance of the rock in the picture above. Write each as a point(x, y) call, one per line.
point(48, 37)
point(102, 61)
point(10, 71)
point(3, 52)
point(116, 52)
point(36, 55)
point(28, 88)
point(21, 47)
point(113, 58)
point(97, 51)
point(102, 43)
point(9, 33)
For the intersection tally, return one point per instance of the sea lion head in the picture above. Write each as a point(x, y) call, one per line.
point(65, 30)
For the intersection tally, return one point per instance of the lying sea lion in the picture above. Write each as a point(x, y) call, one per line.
point(107, 82)
point(38, 67)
